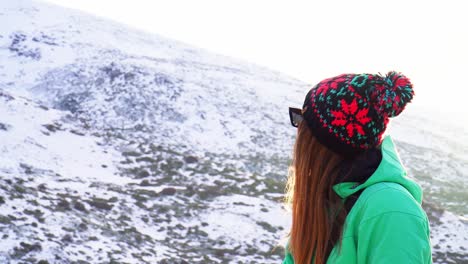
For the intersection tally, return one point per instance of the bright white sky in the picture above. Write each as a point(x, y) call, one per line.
point(312, 40)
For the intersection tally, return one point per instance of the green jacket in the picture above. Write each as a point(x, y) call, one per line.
point(387, 223)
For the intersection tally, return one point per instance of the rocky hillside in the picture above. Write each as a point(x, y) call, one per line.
point(124, 147)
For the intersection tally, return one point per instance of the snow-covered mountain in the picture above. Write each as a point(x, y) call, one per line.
point(118, 146)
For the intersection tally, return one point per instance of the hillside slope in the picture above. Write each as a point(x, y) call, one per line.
point(123, 147)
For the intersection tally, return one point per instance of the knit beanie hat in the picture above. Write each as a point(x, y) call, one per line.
point(349, 113)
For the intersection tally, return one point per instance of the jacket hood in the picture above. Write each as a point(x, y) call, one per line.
point(390, 169)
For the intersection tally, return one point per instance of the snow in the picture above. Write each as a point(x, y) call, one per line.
point(121, 145)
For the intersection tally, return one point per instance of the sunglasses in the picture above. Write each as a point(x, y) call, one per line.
point(295, 115)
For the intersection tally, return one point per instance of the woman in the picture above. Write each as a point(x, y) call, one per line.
point(350, 197)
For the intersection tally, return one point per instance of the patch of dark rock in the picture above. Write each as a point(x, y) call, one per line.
point(19, 180)
point(2, 200)
point(180, 227)
point(52, 127)
point(126, 161)
point(158, 220)
point(171, 261)
point(14, 218)
point(50, 235)
point(63, 205)
point(18, 47)
point(449, 257)
point(42, 187)
point(189, 191)
point(45, 39)
point(131, 153)
point(25, 248)
point(168, 191)
point(76, 132)
point(67, 238)
point(93, 238)
point(68, 229)
point(112, 71)
point(143, 174)
point(145, 183)
point(104, 166)
point(83, 226)
point(204, 224)
point(220, 253)
point(129, 76)
point(241, 203)
point(265, 210)
point(4, 220)
point(190, 159)
point(139, 197)
point(44, 107)
point(79, 206)
point(72, 101)
point(100, 203)
point(145, 159)
point(33, 202)
point(124, 218)
point(28, 169)
point(196, 231)
point(43, 262)
point(36, 213)
point(162, 210)
point(6, 96)
point(171, 165)
point(99, 81)
point(266, 226)
point(210, 192)
point(132, 234)
point(163, 80)
point(4, 126)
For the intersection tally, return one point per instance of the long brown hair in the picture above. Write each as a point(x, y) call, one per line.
point(317, 218)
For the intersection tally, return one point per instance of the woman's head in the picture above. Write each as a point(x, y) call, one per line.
point(343, 117)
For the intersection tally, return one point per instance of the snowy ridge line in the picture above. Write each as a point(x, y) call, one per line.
point(120, 146)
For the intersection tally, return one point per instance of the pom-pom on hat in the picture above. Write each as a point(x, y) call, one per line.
point(349, 113)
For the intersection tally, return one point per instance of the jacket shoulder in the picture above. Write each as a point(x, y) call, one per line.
point(387, 197)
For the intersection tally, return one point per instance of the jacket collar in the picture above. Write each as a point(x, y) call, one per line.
point(390, 169)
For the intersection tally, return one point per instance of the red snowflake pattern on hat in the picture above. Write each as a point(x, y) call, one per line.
point(351, 117)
